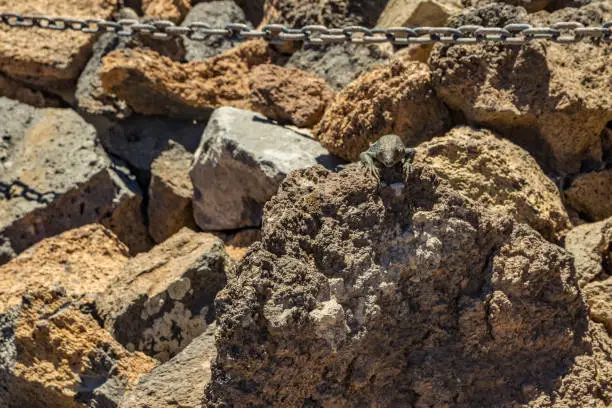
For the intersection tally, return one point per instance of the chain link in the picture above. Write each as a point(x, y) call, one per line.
point(562, 32)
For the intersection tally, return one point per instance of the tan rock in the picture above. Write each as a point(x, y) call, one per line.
point(591, 245)
point(238, 244)
point(45, 57)
point(599, 298)
point(499, 175)
point(56, 356)
point(591, 195)
point(530, 5)
point(173, 10)
point(83, 261)
point(170, 193)
point(396, 98)
point(155, 85)
point(165, 298)
point(289, 96)
point(412, 13)
point(15, 90)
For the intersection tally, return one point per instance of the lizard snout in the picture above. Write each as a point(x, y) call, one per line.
point(388, 159)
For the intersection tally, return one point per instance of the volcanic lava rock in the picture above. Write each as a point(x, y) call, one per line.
point(591, 195)
point(173, 10)
point(415, 13)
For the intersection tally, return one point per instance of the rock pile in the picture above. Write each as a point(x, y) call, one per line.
point(179, 225)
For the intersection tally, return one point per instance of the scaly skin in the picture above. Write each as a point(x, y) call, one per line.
point(388, 151)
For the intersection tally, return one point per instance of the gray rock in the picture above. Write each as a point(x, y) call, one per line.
point(241, 161)
point(170, 193)
point(216, 14)
point(55, 177)
point(165, 298)
point(179, 382)
point(340, 64)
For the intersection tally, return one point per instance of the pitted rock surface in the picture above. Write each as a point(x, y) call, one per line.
point(591, 246)
point(163, 299)
point(415, 13)
point(18, 91)
point(54, 355)
point(590, 194)
point(499, 175)
point(402, 294)
point(397, 98)
point(173, 10)
point(551, 99)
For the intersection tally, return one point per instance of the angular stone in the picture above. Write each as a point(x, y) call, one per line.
point(598, 295)
point(44, 57)
point(216, 14)
point(499, 175)
point(170, 193)
point(415, 13)
point(15, 90)
point(155, 85)
point(289, 96)
point(330, 13)
point(164, 298)
point(590, 194)
point(552, 99)
point(591, 246)
point(247, 156)
point(55, 177)
point(83, 261)
point(54, 355)
point(172, 10)
point(402, 294)
point(340, 64)
point(397, 98)
point(179, 382)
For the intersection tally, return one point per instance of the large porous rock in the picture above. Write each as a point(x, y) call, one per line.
point(331, 13)
point(83, 261)
point(591, 245)
point(54, 355)
point(397, 98)
point(553, 99)
point(530, 6)
point(247, 156)
point(590, 194)
point(55, 177)
point(216, 13)
point(179, 382)
point(414, 13)
point(499, 175)
point(340, 64)
point(172, 10)
point(170, 193)
point(403, 294)
point(155, 85)
point(163, 299)
point(598, 295)
point(289, 96)
point(45, 57)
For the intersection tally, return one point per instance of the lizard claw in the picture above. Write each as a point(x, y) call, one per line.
point(372, 171)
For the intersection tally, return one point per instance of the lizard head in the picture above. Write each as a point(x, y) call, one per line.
point(391, 150)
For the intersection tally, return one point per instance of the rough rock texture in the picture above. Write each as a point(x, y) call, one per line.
point(397, 98)
point(155, 85)
point(553, 99)
point(414, 13)
point(407, 295)
point(499, 175)
point(598, 296)
point(15, 90)
point(216, 14)
point(489, 15)
point(164, 298)
point(173, 10)
point(530, 5)
point(591, 195)
point(340, 64)
point(238, 244)
point(44, 57)
point(170, 193)
point(54, 177)
point(54, 355)
point(179, 382)
point(289, 96)
point(247, 156)
point(83, 261)
point(331, 13)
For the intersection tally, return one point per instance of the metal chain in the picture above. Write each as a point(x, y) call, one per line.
point(562, 32)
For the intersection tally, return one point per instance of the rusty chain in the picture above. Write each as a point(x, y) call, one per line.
point(562, 32)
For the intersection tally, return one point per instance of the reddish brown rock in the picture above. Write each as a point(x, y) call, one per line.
point(155, 85)
point(173, 10)
point(54, 355)
point(288, 95)
point(44, 57)
point(598, 296)
point(590, 194)
point(397, 98)
point(83, 261)
point(15, 90)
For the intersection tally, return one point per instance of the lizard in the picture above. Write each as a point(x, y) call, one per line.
point(387, 151)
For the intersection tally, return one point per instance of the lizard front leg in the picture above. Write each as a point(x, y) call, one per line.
point(407, 166)
point(371, 170)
